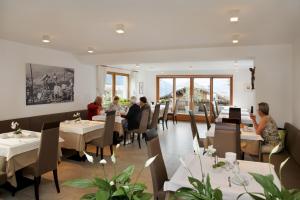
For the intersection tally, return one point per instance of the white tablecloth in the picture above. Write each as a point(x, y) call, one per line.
point(11, 146)
point(118, 119)
point(80, 127)
point(219, 177)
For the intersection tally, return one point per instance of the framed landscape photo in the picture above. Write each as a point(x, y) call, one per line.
point(49, 84)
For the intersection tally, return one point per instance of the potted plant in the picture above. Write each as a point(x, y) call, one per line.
point(271, 190)
point(119, 187)
point(15, 126)
point(201, 189)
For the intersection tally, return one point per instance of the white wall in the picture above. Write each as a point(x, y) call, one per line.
point(296, 84)
point(273, 74)
point(14, 56)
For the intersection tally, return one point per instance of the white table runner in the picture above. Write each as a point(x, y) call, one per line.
point(219, 178)
point(80, 127)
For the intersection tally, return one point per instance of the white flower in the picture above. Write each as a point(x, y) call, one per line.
point(211, 150)
point(103, 162)
point(76, 114)
point(14, 125)
point(149, 161)
point(118, 145)
point(111, 183)
point(89, 158)
point(196, 146)
point(113, 158)
point(182, 162)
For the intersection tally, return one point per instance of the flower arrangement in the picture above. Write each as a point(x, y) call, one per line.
point(119, 187)
point(76, 117)
point(16, 127)
point(271, 191)
point(201, 189)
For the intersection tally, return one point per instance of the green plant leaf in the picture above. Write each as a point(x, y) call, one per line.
point(91, 196)
point(142, 196)
point(267, 183)
point(80, 183)
point(102, 184)
point(256, 197)
point(102, 195)
point(124, 176)
point(119, 192)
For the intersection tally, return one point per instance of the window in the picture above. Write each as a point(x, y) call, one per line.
point(194, 91)
point(116, 84)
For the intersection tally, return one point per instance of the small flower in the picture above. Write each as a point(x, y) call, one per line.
point(14, 125)
point(149, 161)
point(113, 158)
point(211, 150)
point(118, 145)
point(111, 183)
point(89, 158)
point(103, 162)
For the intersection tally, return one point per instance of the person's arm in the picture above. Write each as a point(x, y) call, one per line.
point(261, 126)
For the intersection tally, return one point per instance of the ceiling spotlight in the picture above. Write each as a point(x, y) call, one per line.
point(120, 29)
point(46, 39)
point(235, 39)
point(234, 16)
point(90, 50)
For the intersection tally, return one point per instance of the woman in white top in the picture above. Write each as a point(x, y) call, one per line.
point(115, 106)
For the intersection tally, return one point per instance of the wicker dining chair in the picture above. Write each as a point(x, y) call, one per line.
point(194, 128)
point(157, 168)
point(164, 118)
point(174, 113)
point(208, 125)
point(107, 138)
point(213, 112)
point(235, 113)
point(155, 116)
point(217, 108)
point(47, 156)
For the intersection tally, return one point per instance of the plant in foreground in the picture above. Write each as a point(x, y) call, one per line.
point(119, 187)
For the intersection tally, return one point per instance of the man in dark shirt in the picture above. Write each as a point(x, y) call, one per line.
point(133, 116)
point(94, 108)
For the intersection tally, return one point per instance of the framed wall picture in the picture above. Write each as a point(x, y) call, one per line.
point(49, 84)
point(141, 87)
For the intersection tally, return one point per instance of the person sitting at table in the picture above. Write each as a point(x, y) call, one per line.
point(145, 106)
point(132, 118)
point(115, 106)
point(94, 108)
point(266, 127)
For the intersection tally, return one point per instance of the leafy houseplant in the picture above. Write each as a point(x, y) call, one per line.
point(201, 189)
point(271, 191)
point(119, 187)
point(16, 127)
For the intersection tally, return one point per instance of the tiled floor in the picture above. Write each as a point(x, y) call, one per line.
point(175, 142)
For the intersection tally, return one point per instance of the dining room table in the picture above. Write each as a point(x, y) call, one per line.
point(77, 133)
point(231, 181)
point(118, 122)
point(245, 116)
point(20, 151)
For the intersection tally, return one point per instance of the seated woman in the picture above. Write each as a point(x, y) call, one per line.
point(94, 108)
point(267, 128)
point(115, 106)
point(132, 118)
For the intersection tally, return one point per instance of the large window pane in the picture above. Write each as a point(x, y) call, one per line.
point(122, 86)
point(108, 90)
point(221, 88)
point(165, 88)
point(183, 94)
point(201, 95)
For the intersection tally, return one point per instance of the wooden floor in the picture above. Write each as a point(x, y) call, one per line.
point(175, 142)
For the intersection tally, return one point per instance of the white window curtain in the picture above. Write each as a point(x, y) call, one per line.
point(101, 74)
point(134, 83)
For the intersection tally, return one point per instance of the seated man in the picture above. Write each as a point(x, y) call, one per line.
point(94, 108)
point(132, 119)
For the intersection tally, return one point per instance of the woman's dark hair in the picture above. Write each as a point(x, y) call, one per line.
point(116, 98)
point(264, 108)
point(143, 99)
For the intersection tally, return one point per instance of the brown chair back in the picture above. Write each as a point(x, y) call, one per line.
point(231, 120)
point(194, 128)
point(143, 122)
point(235, 113)
point(48, 151)
point(213, 111)
point(109, 128)
point(175, 107)
point(227, 139)
point(157, 168)
point(206, 117)
point(166, 110)
point(155, 117)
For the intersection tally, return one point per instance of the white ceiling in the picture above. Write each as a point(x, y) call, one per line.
point(150, 24)
point(189, 66)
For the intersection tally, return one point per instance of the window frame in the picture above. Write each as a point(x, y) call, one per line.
point(114, 74)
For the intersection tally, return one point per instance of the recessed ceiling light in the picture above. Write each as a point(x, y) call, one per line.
point(90, 50)
point(120, 29)
point(234, 19)
point(234, 15)
point(46, 39)
point(235, 39)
